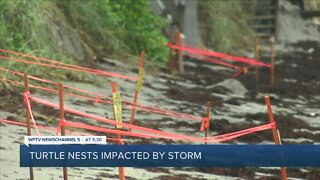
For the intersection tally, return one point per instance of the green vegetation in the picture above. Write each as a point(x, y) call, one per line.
point(115, 26)
point(23, 28)
point(224, 25)
point(312, 4)
point(75, 31)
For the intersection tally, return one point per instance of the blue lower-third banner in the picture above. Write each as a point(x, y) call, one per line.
point(170, 155)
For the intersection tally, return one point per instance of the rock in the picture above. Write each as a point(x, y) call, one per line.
point(229, 86)
point(292, 27)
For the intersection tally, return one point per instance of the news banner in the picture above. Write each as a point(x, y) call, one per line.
point(93, 151)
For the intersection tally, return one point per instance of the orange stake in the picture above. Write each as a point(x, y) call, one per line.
point(207, 116)
point(26, 89)
point(63, 131)
point(138, 86)
point(169, 63)
point(179, 52)
point(118, 136)
point(275, 134)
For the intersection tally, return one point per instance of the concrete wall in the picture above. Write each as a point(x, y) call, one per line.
point(182, 14)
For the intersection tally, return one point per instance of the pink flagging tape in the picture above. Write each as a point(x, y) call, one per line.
point(61, 122)
point(104, 73)
point(29, 76)
point(213, 139)
point(127, 104)
point(28, 105)
point(219, 55)
point(214, 61)
point(240, 133)
point(53, 61)
point(49, 129)
point(225, 138)
point(113, 131)
point(11, 81)
point(204, 124)
point(107, 121)
point(48, 60)
point(32, 86)
point(233, 135)
point(131, 104)
point(161, 134)
point(240, 71)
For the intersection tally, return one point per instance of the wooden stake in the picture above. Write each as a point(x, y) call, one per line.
point(207, 116)
point(118, 136)
point(121, 173)
point(137, 89)
point(63, 131)
point(26, 89)
point(169, 63)
point(272, 61)
point(276, 137)
point(256, 55)
point(180, 57)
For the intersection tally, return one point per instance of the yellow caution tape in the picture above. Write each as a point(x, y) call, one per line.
point(117, 107)
point(245, 70)
point(140, 78)
point(279, 136)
